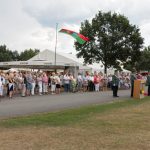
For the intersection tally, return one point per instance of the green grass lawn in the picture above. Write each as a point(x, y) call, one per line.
point(119, 125)
point(69, 117)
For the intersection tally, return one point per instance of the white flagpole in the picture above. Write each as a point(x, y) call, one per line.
point(56, 44)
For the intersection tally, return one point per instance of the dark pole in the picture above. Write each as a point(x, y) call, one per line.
point(56, 45)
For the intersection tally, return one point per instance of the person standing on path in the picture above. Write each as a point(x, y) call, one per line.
point(148, 83)
point(97, 82)
point(115, 83)
point(132, 79)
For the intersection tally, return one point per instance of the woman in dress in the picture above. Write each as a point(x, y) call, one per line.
point(10, 86)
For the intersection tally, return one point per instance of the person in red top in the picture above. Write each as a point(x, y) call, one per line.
point(96, 81)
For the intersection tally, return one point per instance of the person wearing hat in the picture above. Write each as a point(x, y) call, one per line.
point(148, 83)
point(115, 84)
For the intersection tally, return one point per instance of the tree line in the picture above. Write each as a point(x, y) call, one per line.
point(9, 55)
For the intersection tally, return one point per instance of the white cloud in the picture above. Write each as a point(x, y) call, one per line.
point(48, 12)
point(145, 32)
point(31, 23)
point(20, 31)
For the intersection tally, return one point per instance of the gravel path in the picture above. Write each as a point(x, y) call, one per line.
point(20, 106)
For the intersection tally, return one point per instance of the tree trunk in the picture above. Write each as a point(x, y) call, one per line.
point(105, 69)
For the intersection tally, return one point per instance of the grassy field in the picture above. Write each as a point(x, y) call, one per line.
point(121, 125)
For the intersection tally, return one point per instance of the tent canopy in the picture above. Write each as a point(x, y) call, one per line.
point(43, 60)
point(49, 56)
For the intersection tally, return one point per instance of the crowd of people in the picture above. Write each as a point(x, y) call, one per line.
point(27, 83)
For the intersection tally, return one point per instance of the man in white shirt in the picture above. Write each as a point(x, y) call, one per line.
point(66, 82)
point(79, 82)
point(53, 83)
point(57, 78)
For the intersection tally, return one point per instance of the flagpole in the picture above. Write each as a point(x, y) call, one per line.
point(56, 45)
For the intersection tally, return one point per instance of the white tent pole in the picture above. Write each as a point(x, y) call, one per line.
point(56, 43)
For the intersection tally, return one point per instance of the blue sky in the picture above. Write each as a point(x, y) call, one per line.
point(28, 24)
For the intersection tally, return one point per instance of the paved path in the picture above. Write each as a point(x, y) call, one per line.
point(20, 106)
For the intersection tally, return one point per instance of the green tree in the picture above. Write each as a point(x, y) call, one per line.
point(5, 54)
point(27, 54)
point(15, 55)
point(112, 40)
point(144, 62)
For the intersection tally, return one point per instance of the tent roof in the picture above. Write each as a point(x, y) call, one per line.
point(46, 59)
point(48, 55)
point(61, 58)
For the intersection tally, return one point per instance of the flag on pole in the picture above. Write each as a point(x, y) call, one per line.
point(79, 37)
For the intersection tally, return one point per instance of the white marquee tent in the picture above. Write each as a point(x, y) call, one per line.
point(46, 60)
